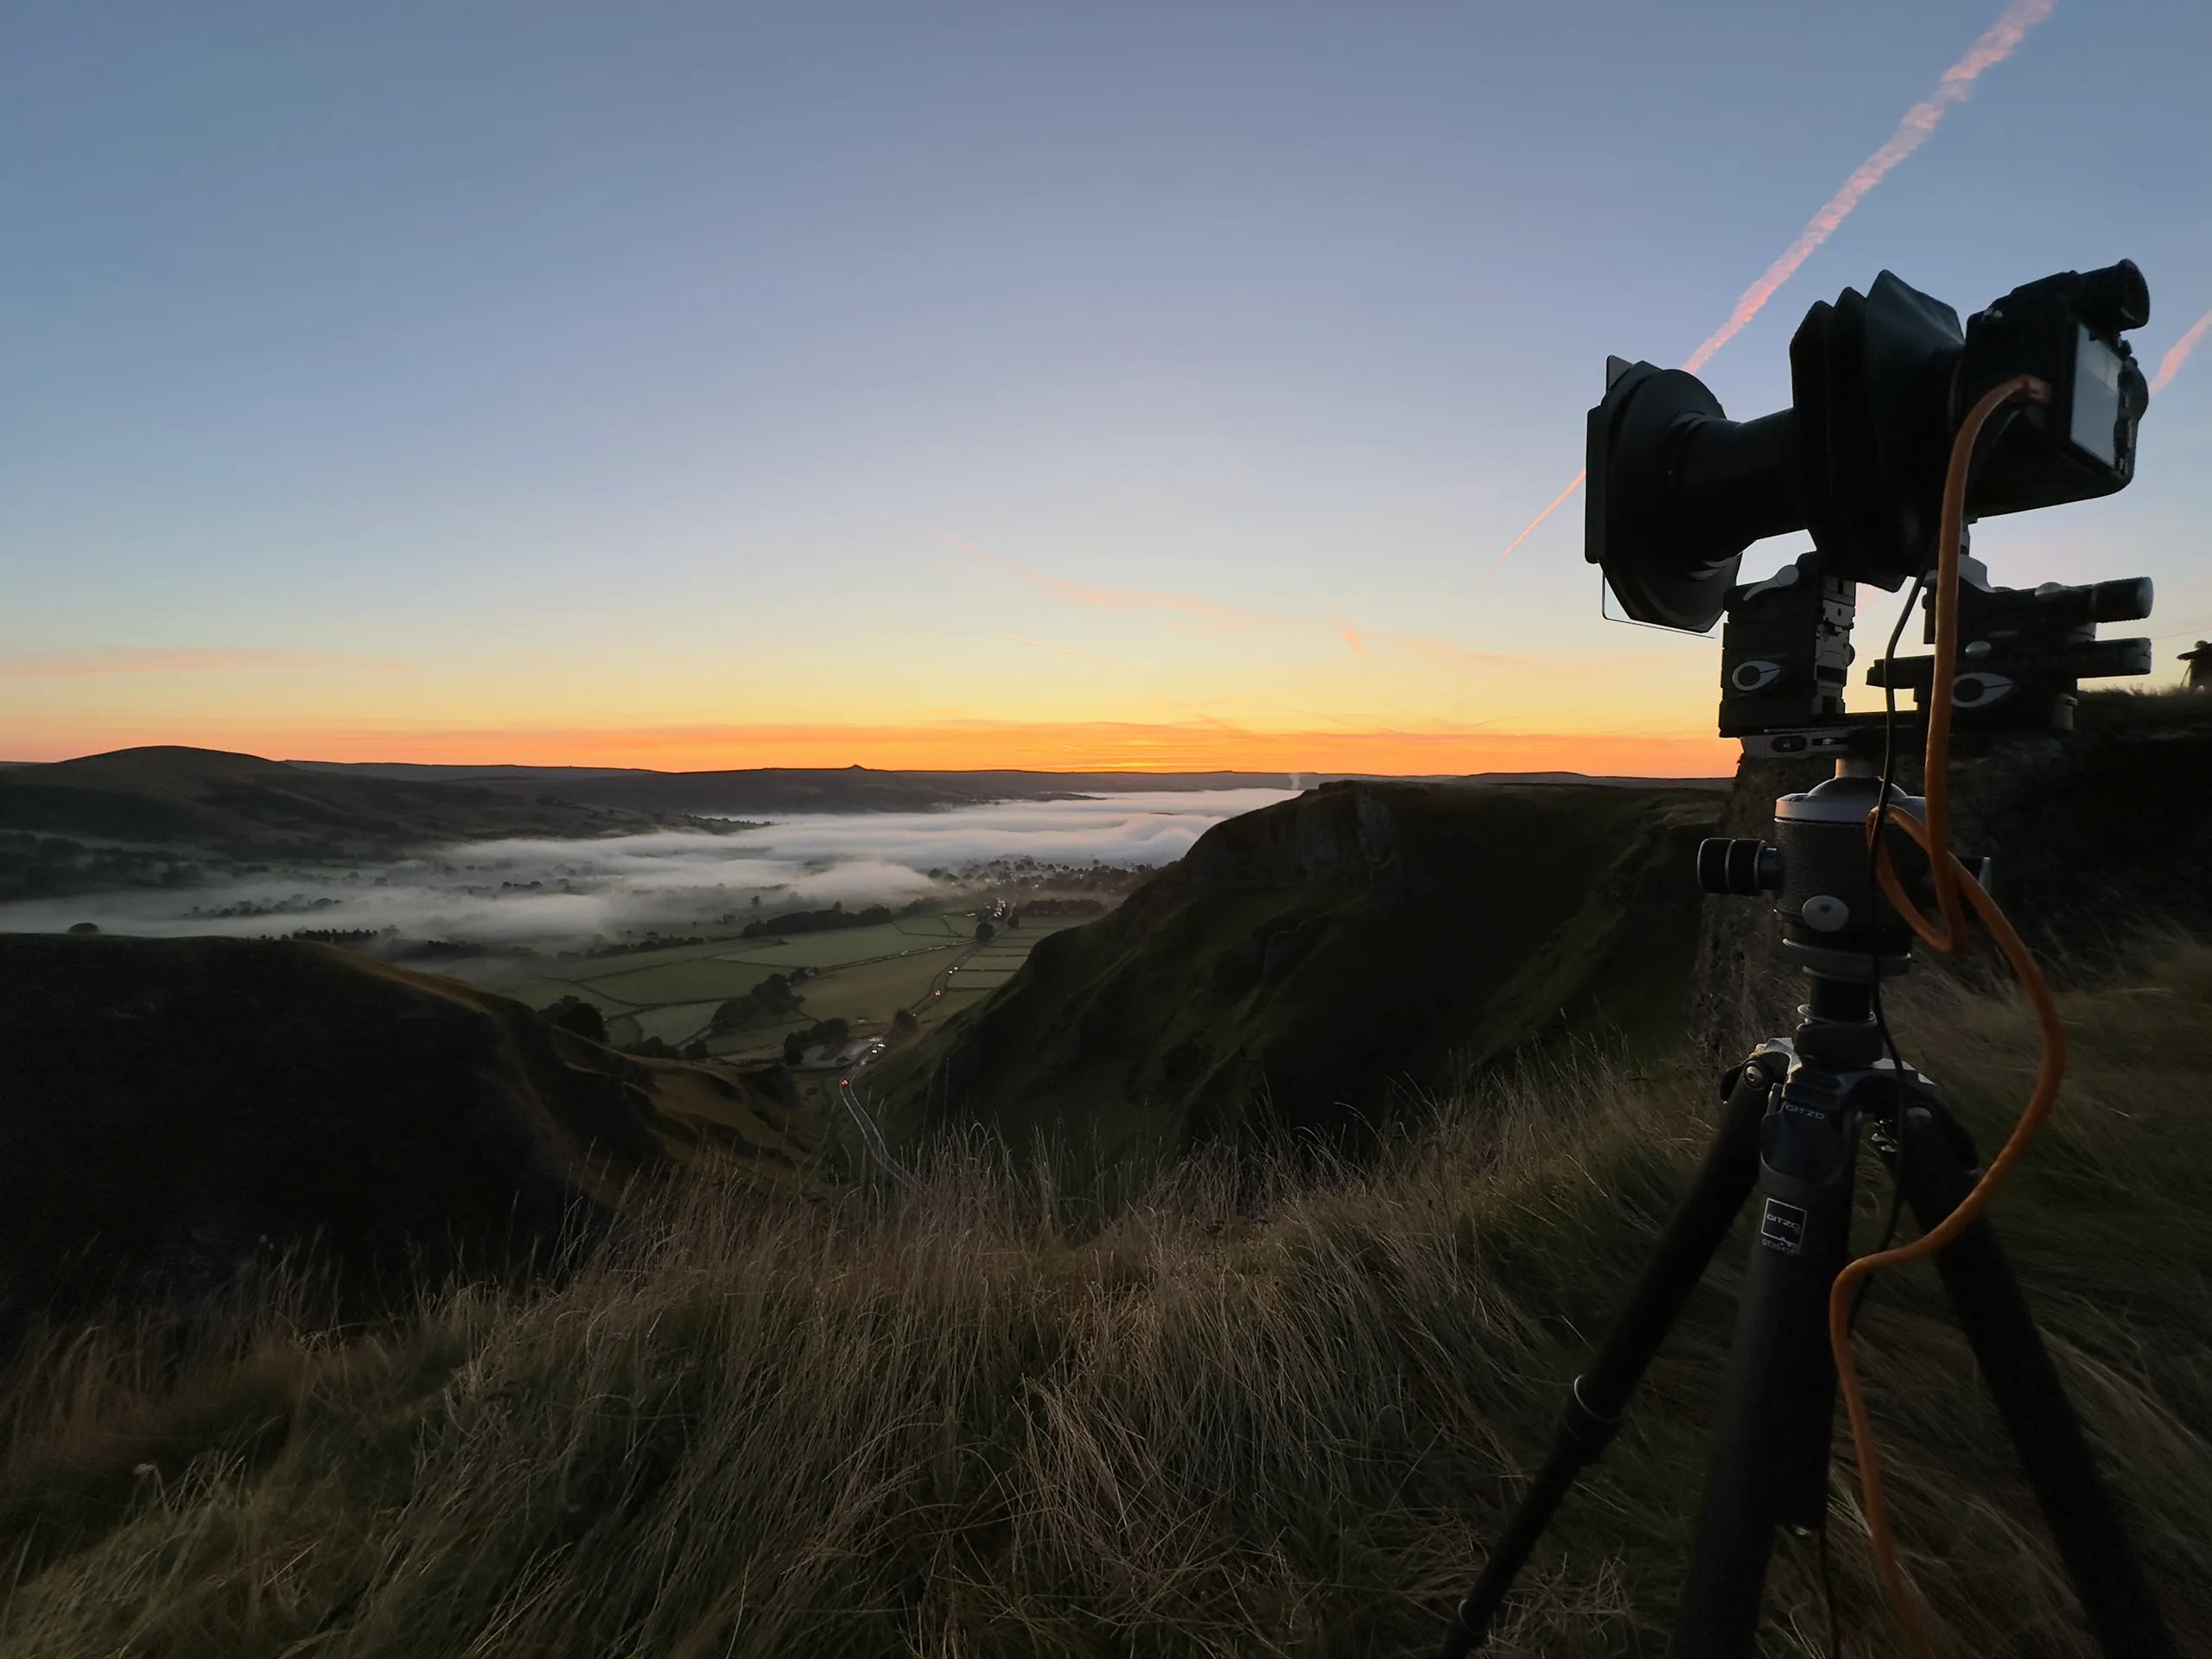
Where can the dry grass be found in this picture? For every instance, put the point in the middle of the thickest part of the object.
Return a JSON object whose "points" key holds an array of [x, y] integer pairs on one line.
{"points": [[1271, 1411]]}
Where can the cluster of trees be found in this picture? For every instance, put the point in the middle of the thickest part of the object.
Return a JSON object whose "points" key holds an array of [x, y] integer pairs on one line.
{"points": [[818, 921], [824, 1032], [1066, 907], [41, 866], [773, 999], [348, 938], [573, 1013]]}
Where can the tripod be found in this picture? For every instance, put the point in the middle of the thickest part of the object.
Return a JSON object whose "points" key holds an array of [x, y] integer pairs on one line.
{"points": [[1787, 1142]]}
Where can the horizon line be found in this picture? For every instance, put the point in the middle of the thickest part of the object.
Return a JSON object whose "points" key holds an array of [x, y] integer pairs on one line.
{"points": [[1093, 747]]}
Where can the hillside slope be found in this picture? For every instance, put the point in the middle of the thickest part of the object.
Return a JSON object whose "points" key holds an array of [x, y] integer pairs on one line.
{"points": [[1305, 965], [244, 806], [1262, 1407], [170, 1108]]}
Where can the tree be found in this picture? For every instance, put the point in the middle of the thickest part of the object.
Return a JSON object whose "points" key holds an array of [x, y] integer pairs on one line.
{"points": [[573, 1013], [984, 932]]}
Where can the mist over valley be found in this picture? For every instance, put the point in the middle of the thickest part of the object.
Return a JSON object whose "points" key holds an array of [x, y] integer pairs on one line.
{"points": [[540, 892]]}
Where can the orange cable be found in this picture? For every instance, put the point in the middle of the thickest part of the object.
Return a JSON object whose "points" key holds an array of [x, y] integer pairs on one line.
{"points": [[1956, 891]]}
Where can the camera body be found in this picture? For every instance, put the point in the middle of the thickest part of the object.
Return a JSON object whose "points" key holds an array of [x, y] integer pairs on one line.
{"points": [[1879, 383]]}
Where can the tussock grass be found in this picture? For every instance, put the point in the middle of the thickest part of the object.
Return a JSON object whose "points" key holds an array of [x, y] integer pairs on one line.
{"points": [[1239, 1409]]}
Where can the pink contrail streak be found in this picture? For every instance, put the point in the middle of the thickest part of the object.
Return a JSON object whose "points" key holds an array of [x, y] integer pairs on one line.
{"points": [[1997, 43], [1539, 519], [2169, 365]]}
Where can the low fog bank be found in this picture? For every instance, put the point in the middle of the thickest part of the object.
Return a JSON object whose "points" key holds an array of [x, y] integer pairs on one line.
{"points": [[552, 892]]}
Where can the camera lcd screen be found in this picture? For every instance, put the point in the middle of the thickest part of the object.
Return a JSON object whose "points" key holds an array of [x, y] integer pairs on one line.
{"points": [[2096, 424]]}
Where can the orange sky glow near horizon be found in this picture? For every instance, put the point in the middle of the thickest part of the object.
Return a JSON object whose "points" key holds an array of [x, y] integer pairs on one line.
{"points": [[900, 445], [949, 745]]}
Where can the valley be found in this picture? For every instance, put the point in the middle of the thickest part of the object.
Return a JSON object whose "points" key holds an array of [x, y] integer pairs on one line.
{"points": [[1084, 1161], [930, 963]]}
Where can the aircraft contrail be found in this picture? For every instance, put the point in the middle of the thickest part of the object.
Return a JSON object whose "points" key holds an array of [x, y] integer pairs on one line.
{"points": [[1573, 485], [1997, 43], [2169, 365]]}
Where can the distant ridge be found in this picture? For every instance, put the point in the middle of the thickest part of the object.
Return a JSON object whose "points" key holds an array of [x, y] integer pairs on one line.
{"points": [[862, 789], [242, 805]]}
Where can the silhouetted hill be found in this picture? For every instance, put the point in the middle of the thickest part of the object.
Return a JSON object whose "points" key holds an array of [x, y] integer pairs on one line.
{"points": [[241, 805], [172, 1108], [1304, 963], [844, 789], [798, 789]]}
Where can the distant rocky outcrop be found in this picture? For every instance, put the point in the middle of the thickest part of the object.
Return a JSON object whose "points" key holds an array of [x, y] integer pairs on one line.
{"points": [[1313, 964], [172, 1110]]}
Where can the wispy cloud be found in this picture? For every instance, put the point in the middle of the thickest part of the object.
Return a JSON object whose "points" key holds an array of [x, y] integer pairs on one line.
{"points": [[156, 659], [1177, 612], [1215, 617], [1459, 654], [1368, 641]]}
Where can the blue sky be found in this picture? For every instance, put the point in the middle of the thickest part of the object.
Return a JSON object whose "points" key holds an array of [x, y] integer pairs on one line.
{"points": [[447, 378]]}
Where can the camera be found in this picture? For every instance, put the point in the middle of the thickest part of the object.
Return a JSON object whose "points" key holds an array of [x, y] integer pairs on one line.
{"points": [[1880, 384]]}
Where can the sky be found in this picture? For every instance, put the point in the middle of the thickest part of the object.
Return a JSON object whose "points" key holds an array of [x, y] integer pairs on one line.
{"points": [[978, 384]]}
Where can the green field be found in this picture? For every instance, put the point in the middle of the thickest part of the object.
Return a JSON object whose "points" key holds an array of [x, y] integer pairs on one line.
{"points": [[861, 975], [677, 1022]]}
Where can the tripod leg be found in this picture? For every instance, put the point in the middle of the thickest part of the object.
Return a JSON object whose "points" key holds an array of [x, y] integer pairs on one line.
{"points": [[1771, 1452], [1600, 1395], [1938, 1167]]}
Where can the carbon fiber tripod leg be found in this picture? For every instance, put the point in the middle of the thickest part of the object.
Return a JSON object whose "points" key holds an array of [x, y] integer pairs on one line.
{"points": [[1600, 1395], [1937, 1169]]}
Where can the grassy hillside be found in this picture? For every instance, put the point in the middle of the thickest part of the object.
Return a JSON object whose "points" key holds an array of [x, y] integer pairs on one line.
{"points": [[1255, 1409], [242, 806], [173, 1108], [928, 963], [1307, 964]]}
